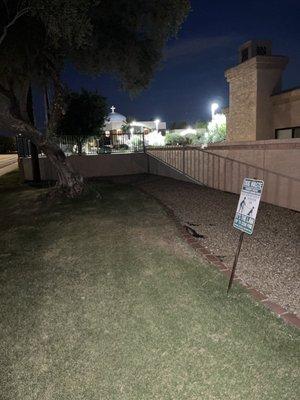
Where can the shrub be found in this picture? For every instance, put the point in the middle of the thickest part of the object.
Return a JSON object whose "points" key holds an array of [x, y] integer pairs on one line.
{"points": [[121, 146], [175, 139], [201, 125], [217, 129]]}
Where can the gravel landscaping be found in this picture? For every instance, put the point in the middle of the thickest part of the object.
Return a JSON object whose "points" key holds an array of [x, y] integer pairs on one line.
{"points": [[269, 259]]}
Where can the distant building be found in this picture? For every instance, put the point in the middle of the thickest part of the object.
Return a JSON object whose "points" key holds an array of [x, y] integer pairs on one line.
{"points": [[258, 108], [116, 121]]}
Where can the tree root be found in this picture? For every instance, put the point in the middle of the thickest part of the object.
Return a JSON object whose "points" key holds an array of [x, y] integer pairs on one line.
{"points": [[59, 192]]}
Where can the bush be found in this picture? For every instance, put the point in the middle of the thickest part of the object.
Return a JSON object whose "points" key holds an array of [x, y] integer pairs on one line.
{"points": [[175, 139], [196, 138], [201, 125], [104, 150], [7, 144], [217, 129], [214, 131], [121, 147]]}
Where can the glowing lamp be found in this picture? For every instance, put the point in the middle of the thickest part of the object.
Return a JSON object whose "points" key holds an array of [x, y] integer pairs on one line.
{"points": [[214, 108]]}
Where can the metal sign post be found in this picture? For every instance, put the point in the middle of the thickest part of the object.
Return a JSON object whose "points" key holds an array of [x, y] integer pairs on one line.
{"points": [[245, 215], [237, 253]]}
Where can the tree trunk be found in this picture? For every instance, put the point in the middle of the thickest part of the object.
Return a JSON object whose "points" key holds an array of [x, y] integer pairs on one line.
{"points": [[79, 147], [33, 149], [35, 164], [68, 181], [14, 115]]}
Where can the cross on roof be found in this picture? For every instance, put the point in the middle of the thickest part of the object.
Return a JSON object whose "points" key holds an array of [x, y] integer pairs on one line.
{"points": [[113, 109]]}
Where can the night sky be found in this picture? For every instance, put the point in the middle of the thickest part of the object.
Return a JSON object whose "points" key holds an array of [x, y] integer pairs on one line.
{"points": [[192, 74]]}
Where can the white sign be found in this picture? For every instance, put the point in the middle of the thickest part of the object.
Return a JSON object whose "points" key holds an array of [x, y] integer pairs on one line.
{"points": [[245, 215]]}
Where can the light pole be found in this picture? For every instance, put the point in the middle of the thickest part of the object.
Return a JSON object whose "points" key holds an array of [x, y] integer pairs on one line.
{"points": [[213, 108], [157, 121]]}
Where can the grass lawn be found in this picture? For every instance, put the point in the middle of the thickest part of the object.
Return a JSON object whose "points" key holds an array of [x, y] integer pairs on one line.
{"points": [[101, 299]]}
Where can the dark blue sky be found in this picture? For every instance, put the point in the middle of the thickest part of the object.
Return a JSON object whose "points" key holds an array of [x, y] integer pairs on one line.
{"points": [[192, 73]]}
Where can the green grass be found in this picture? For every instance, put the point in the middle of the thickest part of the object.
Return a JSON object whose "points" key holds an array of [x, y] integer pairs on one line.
{"points": [[101, 299]]}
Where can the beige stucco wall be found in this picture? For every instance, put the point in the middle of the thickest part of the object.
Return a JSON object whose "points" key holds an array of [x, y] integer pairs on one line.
{"points": [[251, 84], [224, 167], [286, 109], [276, 162], [162, 169], [172, 165], [93, 165], [220, 166], [25, 167], [268, 81], [241, 117]]}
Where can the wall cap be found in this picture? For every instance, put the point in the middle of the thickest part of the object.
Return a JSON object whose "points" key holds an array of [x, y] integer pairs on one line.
{"points": [[258, 144]]}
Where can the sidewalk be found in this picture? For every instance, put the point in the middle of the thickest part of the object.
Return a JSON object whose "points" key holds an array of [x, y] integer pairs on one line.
{"points": [[8, 163]]}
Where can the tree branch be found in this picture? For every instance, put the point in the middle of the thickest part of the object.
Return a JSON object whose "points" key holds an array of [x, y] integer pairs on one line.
{"points": [[18, 15], [6, 7], [58, 103], [14, 104]]}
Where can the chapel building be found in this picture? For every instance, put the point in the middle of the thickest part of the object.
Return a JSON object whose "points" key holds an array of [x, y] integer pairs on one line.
{"points": [[115, 122]]}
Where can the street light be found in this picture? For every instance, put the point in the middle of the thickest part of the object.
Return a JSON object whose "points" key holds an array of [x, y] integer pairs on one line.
{"points": [[213, 108], [157, 121]]}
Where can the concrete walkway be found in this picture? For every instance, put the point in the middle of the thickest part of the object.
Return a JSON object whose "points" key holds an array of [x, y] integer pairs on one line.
{"points": [[8, 163]]}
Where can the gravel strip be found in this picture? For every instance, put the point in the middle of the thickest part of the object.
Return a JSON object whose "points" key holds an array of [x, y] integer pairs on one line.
{"points": [[269, 259]]}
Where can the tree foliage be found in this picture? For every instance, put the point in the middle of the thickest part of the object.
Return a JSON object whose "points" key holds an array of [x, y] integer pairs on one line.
{"points": [[122, 37], [84, 117], [216, 129]]}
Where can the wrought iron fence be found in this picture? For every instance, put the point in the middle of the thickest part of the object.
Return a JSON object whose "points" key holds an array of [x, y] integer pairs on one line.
{"points": [[104, 144], [226, 173], [23, 146], [114, 143]]}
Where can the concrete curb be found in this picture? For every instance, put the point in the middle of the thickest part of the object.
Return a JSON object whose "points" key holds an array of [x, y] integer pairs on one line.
{"points": [[285, 315]]}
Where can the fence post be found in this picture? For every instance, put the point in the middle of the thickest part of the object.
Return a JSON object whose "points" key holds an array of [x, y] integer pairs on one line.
{"points": [[144, 147], [36, 175], [183, 159]]}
